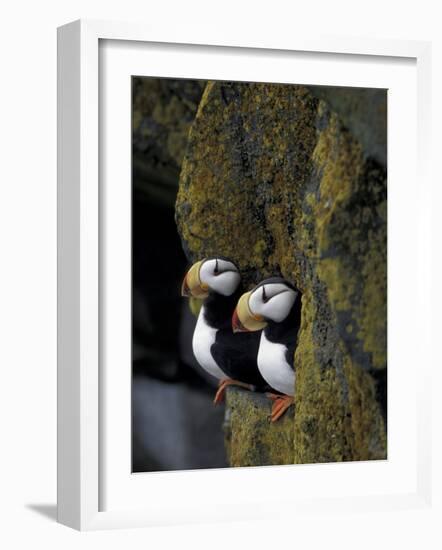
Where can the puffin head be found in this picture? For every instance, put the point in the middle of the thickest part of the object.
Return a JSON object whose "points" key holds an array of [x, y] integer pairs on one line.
{"points": [[270, 301], [218, 274]]}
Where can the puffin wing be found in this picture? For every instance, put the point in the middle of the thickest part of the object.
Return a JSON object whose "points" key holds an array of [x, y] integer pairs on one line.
{"points": [[237, 354], [290, 355]]}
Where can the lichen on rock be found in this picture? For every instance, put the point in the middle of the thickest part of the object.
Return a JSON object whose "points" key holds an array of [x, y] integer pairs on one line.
{"points": [[163, 110], [252, 440], [274, 179]]}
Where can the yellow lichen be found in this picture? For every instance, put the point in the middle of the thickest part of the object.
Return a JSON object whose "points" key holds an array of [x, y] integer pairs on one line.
{"points": [[280, 186], [369, 437], [252, 439], [373, 310], [321, 424]]}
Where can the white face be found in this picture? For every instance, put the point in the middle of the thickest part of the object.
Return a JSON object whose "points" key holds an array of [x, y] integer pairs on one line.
{"points": [[221, 276], [272, 301]]}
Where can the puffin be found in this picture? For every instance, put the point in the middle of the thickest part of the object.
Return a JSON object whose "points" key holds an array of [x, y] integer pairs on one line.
{"points": [[274, 308], [229, 357]]}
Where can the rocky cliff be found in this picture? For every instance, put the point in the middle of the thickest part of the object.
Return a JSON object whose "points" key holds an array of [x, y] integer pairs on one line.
{"points": [[286, 181], [163, 110]]}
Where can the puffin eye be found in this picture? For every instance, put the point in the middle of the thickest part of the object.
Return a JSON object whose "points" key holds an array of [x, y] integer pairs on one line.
{"points": [[216, 271], [264, 295]]}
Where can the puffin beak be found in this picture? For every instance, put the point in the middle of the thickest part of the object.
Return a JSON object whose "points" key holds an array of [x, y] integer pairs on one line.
{"points": [[185, 290], [243, 320], [237, 326], [192, 285]]}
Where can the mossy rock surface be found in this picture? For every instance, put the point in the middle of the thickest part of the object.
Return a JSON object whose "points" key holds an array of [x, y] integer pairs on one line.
{"points": [[274, 178], [364, 111], [163, 110], [251, 438]]}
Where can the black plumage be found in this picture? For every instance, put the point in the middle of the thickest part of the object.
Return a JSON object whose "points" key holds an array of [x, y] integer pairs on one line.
{"points": [[235, 354], [286, 332]]}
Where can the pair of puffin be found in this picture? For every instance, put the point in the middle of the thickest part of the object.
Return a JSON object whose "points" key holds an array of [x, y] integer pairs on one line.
{"points": [[226, 342]]}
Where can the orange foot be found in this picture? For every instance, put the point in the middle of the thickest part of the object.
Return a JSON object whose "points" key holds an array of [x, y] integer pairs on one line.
{"points": [[219, 396], [280, 404]]}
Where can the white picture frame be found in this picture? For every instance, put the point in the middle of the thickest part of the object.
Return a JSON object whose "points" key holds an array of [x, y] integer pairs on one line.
{"points": [[81, 441]]}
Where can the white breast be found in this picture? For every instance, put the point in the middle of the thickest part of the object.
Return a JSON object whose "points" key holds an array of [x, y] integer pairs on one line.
{"points": [[274, 368], [203, 338]]}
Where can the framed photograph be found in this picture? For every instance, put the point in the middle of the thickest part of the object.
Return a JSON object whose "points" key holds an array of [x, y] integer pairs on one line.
{"points": [[241, 285]]}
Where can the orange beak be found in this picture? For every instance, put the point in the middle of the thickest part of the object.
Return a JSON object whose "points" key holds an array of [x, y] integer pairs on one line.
{"points": [[192, 284], [237, 326], [243, 319]]}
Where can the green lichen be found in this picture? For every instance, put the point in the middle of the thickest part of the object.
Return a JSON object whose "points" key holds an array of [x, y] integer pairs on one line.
{"points": [[163, 110], [273, 179], [368, 429], [252, 439], [321, 423], [231, 168], [351, 238]]}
